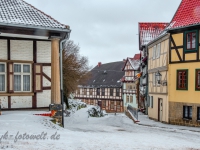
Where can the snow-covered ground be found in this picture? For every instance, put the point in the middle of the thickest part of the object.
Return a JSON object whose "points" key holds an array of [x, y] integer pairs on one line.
{"points": [[112, 132]]}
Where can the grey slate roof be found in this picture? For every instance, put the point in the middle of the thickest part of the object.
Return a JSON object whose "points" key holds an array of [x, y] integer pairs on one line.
{"points": [[18, 12], [107, 75]]}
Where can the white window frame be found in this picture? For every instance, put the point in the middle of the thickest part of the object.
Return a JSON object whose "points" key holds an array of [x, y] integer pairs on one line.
{"points": [[23, 73], [4, 73], [158, 48]]}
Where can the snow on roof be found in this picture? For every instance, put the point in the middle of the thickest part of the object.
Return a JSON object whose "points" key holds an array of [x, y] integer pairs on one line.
{"points": [[135, 63], [20, 12], [149, 31], [188, 13]]}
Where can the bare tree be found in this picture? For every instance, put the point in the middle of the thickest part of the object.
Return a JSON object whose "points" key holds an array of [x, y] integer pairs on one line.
{"points": [[75, 69]]}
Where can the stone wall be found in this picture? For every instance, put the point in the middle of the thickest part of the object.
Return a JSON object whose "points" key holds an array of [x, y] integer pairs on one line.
{"points": [[176, 114]]}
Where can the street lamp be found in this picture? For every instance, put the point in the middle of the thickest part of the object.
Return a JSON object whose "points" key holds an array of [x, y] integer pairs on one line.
{"points": [[158, 77]]}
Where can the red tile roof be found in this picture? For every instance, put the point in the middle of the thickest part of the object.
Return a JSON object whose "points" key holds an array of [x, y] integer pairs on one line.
{"points": [[149, 31], [136, 57], [188, 13]]}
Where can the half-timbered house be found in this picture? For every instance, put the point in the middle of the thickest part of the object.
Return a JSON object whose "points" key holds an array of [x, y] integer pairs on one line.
{"points": [[29, 56], [131, 69], [148, 31], [157, 87], [104, 88], [184, 65]]}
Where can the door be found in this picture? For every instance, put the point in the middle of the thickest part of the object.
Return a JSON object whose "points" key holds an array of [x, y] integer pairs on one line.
{"points": [[160, 109]]}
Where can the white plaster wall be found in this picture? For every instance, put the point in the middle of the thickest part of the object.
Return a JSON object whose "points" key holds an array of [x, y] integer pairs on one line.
{"points": [[4, 102], [44, 98], [47, 71], [21, 101], [21, 50], [44, 51], [3, 49]]}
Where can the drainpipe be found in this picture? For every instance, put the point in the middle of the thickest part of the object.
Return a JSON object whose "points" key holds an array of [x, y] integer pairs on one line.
{"points": [[61, 73]]}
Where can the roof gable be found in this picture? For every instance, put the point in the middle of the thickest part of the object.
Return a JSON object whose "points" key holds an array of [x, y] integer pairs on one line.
{"points": [[149, 31], [188, 13], [18, 12], [133, 63]]}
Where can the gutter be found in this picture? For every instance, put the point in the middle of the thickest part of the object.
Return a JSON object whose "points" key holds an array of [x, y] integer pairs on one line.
{"points": [[36, 27], [61, 72]]}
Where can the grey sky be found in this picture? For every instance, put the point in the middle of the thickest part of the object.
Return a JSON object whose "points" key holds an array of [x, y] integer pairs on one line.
{"points": [[106, 30]]}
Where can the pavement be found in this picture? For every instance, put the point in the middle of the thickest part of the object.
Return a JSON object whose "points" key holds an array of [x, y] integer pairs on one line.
{"points": [[145, 121]]}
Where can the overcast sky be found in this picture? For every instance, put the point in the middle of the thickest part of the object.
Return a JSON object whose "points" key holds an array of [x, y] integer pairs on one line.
{"points": [[107, 30]]}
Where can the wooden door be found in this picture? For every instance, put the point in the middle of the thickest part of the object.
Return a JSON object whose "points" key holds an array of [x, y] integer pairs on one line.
{"points": [[160, 109]]}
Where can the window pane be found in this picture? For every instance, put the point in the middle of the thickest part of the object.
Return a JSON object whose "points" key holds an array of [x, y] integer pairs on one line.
{"points": [[2, 67], [26, 82], [26, 68], [2, 82], [17, 68], [188, 40], [190, 112], [17, 82], [185, 111], [193, 40]]}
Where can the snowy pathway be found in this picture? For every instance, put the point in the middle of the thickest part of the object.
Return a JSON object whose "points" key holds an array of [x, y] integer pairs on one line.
{"points": [[83, 133]]}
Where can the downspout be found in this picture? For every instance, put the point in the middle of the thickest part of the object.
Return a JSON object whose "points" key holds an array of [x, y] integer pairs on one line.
{"points": [[61, 73]]}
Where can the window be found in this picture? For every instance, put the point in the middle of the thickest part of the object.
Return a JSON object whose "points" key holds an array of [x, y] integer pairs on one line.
{"points": [[118, 104], [131, 99], [158, 50], [112, 104], [79, 92], [154, 52], [198, 113], [191, 41], [151, 102], [98, 91], [111, 92], [197, 81], [182, 79], [187, 112], [90, 91], [117, 91], [103, 91], [2, 77], [22, 77], [85, 91], [103, 103], [127, 98]]}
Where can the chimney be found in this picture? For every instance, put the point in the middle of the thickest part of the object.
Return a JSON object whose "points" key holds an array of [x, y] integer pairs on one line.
{"points": [[99, 64], [124, 60]]}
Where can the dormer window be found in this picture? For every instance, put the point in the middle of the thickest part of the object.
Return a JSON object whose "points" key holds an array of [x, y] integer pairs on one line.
{"points": [[191, 41]]}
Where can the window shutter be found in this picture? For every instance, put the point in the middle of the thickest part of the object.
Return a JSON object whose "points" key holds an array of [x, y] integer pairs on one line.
{"points": [[38, 82], [10, 77], [158, 51]]}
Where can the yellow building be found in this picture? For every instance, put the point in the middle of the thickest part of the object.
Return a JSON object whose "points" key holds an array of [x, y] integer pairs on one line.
{"points": [[158, 89], [174, 69]]}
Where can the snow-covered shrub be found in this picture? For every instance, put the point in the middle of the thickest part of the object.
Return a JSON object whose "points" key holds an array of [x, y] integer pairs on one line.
{"points": [[77, 104], [95, 111]]}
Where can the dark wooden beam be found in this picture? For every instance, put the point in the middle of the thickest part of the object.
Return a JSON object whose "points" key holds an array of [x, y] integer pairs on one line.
{"points": [[176, 49], [46, 76]]}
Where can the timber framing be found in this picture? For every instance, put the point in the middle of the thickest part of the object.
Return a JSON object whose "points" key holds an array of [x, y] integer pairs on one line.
{"points": [[9, 81], [174, 47]]}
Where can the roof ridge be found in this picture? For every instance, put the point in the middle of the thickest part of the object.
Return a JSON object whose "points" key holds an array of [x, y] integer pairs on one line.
{"points": [[66, 26]]}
